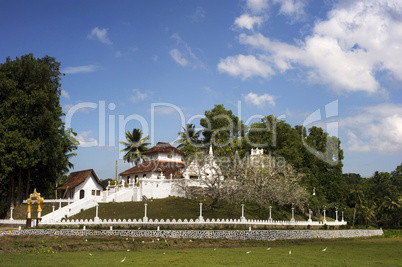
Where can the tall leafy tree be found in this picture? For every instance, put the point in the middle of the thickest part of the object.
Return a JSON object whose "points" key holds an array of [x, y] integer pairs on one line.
{"points": [[223, 130], [189, 141], [135, 145], [33, 141]]}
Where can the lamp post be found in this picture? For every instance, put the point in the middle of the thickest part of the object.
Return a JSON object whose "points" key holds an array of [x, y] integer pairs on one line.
{"points": [[242, 218]]}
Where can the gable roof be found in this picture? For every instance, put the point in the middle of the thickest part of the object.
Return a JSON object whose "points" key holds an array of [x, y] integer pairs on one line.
{"points": [[163, 147], [76, 178], [166, 167]]}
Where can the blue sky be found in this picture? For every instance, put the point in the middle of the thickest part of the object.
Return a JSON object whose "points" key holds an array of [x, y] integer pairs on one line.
{"points": [[157, 65]]}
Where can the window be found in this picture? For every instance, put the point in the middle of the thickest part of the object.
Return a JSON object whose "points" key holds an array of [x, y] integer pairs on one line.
{"points": [[169, 156], [82, 193], [98, 192], [93, 192]]}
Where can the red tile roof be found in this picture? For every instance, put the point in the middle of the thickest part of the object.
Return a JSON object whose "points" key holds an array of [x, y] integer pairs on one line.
{"points": [[163, 147], [76, 178], [166, 167]]}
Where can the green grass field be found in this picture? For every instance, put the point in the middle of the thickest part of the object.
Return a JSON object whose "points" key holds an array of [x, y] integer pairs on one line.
{"points": [[345, 252]]}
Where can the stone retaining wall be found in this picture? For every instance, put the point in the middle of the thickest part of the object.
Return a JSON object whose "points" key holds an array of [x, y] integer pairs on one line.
{"points": [[203, 234]]}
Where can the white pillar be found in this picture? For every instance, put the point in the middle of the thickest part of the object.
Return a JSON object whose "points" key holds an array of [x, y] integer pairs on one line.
{"points": [[53, 207], [242, 218], [145, 219], [309, 215], [270, 217], [324, 221], [11, 213], [201, 218], [96, 213], [293, 216], [60, 204], [342, 217], [336, 215]]}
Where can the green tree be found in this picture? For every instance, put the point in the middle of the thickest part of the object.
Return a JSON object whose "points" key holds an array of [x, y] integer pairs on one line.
{"points": [[33, 141], [222, 129], [189, 141], [135, 145]]}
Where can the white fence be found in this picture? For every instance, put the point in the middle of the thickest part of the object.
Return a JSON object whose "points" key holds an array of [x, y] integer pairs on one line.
{"points": [[191, 222]]}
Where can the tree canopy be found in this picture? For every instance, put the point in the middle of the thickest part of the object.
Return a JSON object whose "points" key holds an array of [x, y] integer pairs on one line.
{"points": [[34, 144]]}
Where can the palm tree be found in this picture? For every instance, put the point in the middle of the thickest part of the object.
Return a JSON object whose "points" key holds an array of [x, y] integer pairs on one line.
{"points": [[357, 194], [188, 136], [135, 145]]}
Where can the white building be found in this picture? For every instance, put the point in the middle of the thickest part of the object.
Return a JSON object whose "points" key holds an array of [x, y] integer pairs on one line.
{"points": [[80, 185]]}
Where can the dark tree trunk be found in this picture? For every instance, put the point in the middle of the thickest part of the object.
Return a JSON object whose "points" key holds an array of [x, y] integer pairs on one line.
{"points": [[11, 189], [19, 191], [28, 182]]}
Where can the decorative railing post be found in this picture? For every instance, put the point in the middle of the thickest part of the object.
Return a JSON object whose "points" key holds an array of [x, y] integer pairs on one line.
{"points": [[325, 220], [96, 213], [201, 218], [270, 217], [293, 215], [342, 217], [145, 219], [336, 214], [242, 218], [309, 216], [11, 213]]}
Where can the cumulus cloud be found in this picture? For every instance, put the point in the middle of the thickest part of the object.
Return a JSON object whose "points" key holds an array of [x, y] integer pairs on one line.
{"points": [[260, 101], [375, 128], [245, 66], [246, 21], [291, 8], [86, 140], [100, 35], [357, 42], [138, 96], [79, 69]]}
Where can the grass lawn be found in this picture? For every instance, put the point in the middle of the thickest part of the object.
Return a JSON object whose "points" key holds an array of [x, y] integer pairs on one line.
{"points": [[345, 252]]}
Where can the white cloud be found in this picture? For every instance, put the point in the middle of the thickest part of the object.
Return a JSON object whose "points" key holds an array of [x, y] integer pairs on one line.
{"points": [[257, 6], [375, 128], [260, 101], [245, 66], [100, 35], [85, 139], [79, 69], [291, 8], [64, 94], [138, 96], [184, 54], [178, 57], [246, 21], [357, 42], [198, 15]]}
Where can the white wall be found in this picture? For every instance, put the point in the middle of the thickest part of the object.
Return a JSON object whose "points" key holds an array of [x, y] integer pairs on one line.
{"points": [[88, 185]]}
